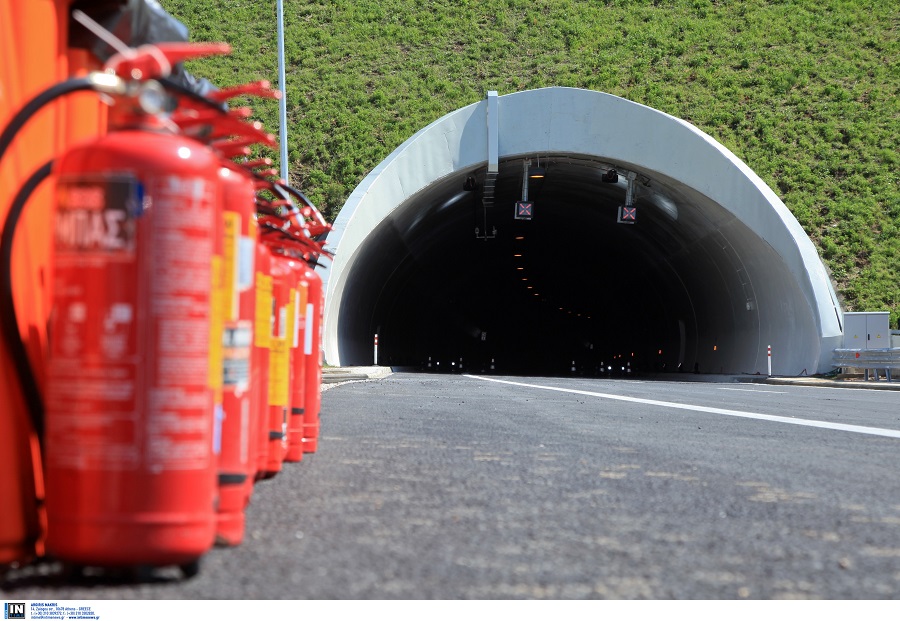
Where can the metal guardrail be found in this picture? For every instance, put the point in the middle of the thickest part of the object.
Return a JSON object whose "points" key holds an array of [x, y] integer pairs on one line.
{"points": [[875, 360]]}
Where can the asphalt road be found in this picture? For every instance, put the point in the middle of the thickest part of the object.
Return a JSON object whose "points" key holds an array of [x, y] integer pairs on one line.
{"points": [[456, 487]]}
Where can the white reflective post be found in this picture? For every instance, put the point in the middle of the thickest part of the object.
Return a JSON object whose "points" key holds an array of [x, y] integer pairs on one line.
{"points": [[282, 124]]}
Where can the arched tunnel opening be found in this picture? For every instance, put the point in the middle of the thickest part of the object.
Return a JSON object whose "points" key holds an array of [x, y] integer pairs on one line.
{"points": [[452, 280], [713, 271]]}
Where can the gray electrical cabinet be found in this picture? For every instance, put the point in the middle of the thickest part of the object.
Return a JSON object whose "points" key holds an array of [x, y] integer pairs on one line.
{"points": [[867, 330]]}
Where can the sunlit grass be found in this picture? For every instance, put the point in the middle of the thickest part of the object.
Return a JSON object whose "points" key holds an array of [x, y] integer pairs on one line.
{"points": [[806, 92]]}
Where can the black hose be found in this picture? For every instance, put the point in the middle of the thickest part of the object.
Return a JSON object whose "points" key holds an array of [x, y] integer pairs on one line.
{"points": [[284, 190], [36, 103], [8, 321], [173, 86], [74, 85], [294, 192]]}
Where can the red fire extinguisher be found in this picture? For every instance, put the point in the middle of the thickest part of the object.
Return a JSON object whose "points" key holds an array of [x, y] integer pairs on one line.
{"points": [[235, 304], [279, 363], [261, 353], [313, 352], [130, 468], [298, 366], [237, 458], [301, 228]]}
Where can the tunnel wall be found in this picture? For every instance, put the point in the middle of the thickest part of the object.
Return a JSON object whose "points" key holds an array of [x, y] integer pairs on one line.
{"points": [[599, 125]]}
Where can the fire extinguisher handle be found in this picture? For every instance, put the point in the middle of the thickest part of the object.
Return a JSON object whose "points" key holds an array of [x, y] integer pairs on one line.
{"points": [[263, 88], [155, 60]]}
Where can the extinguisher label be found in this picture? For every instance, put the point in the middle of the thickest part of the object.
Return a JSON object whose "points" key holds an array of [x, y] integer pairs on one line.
{"points": [[246, 261], [295, 341], [96, 214], [93, 364], [216, 327], [279, 368], [230, 254], [128, 382], [180, 301], [237, 341], [308, 335], [263, 323], [291, 317], [300, 319]]}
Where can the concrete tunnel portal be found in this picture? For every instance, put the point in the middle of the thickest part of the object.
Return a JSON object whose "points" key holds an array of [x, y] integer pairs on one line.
{"points": [[714, 269]]}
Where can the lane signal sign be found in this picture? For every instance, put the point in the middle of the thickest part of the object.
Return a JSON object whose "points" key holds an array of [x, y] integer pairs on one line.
{"points": [[524, 210], [627, 214]]}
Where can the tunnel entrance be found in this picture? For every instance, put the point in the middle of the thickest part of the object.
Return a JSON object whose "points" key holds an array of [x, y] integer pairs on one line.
{"points": [[473, 286], [446, 275], [571, 287]]}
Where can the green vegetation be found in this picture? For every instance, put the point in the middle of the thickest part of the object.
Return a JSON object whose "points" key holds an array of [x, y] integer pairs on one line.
{"points": [[806, 92]]}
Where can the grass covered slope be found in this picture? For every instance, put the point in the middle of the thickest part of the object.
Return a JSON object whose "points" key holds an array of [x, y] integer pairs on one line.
{"points": [[806, 92]]}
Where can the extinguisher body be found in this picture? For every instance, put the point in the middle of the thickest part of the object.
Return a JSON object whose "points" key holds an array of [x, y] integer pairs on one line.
{"points": [[313, 355], [130, 469], [240, 398], [279, 364], [298, 365]]}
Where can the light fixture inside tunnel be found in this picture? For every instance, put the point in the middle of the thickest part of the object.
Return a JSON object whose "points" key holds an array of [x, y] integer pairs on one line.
{"points": [[524, 207]]}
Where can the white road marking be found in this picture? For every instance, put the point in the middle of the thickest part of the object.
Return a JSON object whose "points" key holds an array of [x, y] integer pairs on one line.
{"points": [[872, 431], [774, 392], [835, 388]]}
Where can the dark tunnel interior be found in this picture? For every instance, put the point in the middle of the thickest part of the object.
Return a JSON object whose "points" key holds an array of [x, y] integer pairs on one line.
{"points": [[570, 290]]}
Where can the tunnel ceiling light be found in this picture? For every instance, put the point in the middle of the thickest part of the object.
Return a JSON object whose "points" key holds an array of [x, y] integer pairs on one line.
{"points": [[520, 268], [536, 172], [610, 176], [520, 237], [517, 255]]}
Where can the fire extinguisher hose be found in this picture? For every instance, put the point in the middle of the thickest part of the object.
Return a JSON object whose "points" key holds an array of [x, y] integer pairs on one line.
{"points": [[8, 322], [39, 101], [30, 391]]}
